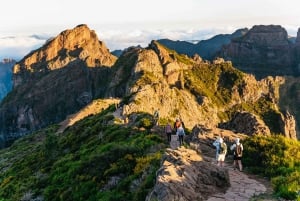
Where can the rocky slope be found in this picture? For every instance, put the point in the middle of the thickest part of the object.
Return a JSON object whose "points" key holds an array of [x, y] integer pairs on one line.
{"points": [[265, 50]]}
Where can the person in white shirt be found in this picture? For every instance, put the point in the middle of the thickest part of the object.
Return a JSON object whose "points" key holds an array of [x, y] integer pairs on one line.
{"points": [[237, 154], [220, 152], [180, 133]]}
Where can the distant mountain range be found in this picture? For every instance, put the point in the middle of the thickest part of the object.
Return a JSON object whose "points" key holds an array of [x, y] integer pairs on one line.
{"points": [[207, 49]]}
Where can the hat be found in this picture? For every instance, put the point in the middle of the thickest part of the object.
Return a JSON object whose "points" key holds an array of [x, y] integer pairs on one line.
{"points": [[237, 140]]}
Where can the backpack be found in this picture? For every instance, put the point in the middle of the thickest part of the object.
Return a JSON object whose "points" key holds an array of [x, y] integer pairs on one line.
{"points": [[222, 148], [168, 129], [238, 150], [181, 131]]}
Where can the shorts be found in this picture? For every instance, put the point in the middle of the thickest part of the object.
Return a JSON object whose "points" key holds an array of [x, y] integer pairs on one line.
{"points": [[221, 157], [237, 157]]}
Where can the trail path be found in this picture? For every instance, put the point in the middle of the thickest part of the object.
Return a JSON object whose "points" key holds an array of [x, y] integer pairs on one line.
{"points": [[93, 108], [243, 186]]}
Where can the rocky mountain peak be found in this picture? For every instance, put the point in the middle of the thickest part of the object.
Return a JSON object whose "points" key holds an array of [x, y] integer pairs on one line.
{"points": [[264, 50], [267, 35], [79, 43]]}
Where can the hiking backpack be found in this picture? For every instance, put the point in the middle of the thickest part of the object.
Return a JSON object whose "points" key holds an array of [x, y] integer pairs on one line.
{"points": [[181, 132], [223, 148], [238, 150]]}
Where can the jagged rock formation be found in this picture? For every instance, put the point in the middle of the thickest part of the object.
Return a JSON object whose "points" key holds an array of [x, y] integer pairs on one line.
{"points": [[244, 122], [6, 76], [68, 72], [289, 125], [80, 43], [263, 50]]}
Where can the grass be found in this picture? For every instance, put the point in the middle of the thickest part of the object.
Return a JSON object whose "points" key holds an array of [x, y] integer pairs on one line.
{"points": [[277, 158], [81, 164]]}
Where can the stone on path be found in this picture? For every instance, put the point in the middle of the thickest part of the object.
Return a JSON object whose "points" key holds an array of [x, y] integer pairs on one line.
{"points": [[174, 144], [242, 188]]}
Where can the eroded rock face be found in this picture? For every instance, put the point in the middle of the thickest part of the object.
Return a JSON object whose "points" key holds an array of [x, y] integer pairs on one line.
{"points": [[250, 124]]}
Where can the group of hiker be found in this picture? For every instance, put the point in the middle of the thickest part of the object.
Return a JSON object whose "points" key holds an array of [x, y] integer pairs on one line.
{"points": [[221, 151], [221, 146], [178, 129]]}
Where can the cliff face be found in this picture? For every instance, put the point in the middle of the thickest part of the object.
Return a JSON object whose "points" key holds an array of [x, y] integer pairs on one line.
{"points": [[263, 51], [58, 79], [80, 43]]}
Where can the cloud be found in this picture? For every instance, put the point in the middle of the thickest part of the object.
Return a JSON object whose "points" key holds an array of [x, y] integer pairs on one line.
{"points": [[121, 40], [17, 47]]}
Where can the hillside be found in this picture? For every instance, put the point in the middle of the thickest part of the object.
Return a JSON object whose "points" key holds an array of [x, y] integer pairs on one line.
{"points": [[101, 158]]}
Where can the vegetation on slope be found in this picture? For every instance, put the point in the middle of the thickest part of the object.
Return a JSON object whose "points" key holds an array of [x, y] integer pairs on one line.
{"points": [[278, 158], [216, 82], [93, 160]]}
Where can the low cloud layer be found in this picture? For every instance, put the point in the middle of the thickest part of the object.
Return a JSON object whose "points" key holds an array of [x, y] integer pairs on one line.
{"points": [[17, 47]]}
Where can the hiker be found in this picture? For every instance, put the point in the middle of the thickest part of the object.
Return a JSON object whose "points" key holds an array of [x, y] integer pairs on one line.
{"points": [[237, 147], [177, 124], [221, 151], [180, 133], [182, 123], [156, 117], [168, 131]]}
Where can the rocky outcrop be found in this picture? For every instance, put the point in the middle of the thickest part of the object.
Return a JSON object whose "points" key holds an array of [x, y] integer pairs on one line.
{"points": [[263, 50], [289, 126], [244, 122], [184, 175]]}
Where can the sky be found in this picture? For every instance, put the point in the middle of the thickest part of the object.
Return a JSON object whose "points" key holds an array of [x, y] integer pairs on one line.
{"points": [[26, 25]]}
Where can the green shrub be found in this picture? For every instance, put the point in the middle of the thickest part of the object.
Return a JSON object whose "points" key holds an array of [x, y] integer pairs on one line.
{"points": [[272, 156]]}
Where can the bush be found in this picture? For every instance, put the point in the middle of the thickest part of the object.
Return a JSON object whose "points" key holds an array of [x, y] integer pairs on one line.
{"points": [[272, 156]]}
